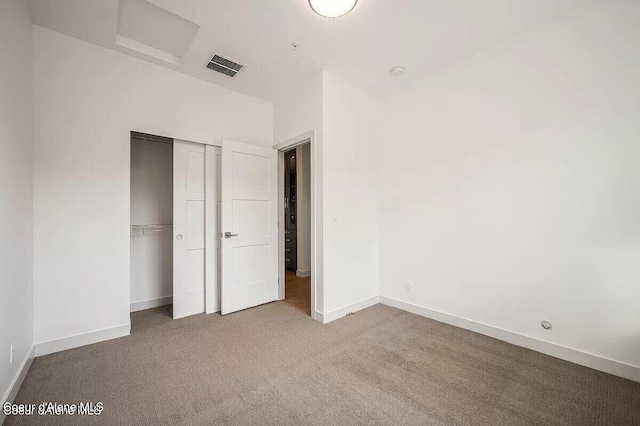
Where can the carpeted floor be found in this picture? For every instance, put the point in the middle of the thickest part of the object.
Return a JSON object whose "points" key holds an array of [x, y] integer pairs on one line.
{"points": [[274, 365]]}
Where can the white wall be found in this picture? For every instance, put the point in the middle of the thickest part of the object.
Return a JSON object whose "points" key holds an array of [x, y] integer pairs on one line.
{"points": [[151, 203], [16, 285], [511, 186], [351, 134], [87, 100], [298, 111], [298, 107], [303, 204], [347, 123]]}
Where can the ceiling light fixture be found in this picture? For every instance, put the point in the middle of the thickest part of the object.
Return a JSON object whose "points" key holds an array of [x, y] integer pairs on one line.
{"points": [[332, 8]]}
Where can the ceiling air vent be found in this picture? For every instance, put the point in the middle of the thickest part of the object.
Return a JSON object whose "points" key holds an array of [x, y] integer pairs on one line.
{"points": [[225, 66]]}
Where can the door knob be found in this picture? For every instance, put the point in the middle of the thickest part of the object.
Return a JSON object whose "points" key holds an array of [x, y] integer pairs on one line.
{"points": [[179, 237], [229, 235]]}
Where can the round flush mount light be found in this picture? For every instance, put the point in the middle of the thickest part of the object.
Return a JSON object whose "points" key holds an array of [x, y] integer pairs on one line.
{"points": [[397, 71], [332, 8]]}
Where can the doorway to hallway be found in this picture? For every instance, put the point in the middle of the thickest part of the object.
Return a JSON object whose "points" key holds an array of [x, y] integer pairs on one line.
{"points": [[296, 177]]}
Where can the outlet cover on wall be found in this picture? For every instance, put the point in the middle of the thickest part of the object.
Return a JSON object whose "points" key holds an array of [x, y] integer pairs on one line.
{"points": [[408, 286], [11, 350]]}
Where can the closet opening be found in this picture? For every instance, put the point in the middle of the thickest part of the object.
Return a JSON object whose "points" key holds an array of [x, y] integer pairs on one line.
{"points": [[151, 233], [297, 227]]}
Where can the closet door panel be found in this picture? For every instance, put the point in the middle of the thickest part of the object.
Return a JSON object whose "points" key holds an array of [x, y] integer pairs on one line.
{"points": [[212, 225], [189, 229], [249, 179]]}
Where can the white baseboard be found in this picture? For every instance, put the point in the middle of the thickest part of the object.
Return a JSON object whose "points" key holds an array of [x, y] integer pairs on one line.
{"points": [[303, 274], [617, 368], [341, 312], [14, 387], [45, 348], [150, 304]]}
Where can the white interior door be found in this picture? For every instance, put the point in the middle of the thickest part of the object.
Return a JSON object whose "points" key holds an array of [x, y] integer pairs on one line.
{"points": [[212, 228], [188, 228], [249, 226]]}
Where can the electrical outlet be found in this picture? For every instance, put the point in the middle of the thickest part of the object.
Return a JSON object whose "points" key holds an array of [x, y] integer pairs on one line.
{"points": [[408, 286], [11, 350]]}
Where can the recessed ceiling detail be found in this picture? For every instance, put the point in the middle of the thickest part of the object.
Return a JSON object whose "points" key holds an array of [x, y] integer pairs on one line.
{"points": [[154, 31], [225, 66]]}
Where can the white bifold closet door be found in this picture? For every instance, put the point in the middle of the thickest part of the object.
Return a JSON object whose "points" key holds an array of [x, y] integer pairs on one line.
{"points": [[250, 226], [212, 228], [189, 240]]}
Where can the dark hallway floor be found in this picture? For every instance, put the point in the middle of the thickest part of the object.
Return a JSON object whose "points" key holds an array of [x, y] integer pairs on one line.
{"points": [[297, 292]]}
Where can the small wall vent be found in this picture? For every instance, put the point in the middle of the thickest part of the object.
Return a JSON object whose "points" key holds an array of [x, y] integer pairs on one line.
{"points": [[225, 66]]}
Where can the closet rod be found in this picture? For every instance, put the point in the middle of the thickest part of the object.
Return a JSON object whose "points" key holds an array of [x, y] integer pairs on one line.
{"points": [[151, 138], [150, 228]]}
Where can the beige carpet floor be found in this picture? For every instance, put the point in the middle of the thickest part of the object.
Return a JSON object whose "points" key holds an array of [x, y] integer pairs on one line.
{"points": [[274, 365]]}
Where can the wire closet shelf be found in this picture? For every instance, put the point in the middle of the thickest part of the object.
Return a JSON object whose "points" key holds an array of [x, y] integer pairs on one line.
{"points": [[150, 228]]}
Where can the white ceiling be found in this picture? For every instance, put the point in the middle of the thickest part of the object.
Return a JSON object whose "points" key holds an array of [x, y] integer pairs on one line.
{"points": [[424, 36]]}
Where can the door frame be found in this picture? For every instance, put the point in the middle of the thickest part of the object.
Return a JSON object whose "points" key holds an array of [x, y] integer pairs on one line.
{"points": [[315, 228]]}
